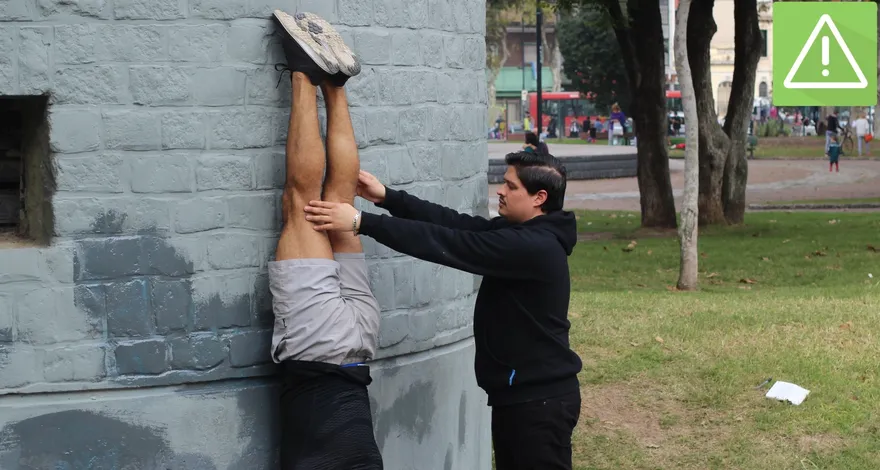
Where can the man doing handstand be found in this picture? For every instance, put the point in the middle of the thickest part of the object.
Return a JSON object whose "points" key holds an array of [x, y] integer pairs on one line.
{"points": [[326, 317]]}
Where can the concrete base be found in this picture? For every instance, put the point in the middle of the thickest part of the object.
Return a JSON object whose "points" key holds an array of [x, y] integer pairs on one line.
{"points": [[232, 424]]}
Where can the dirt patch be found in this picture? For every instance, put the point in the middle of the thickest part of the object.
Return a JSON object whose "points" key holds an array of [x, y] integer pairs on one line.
{"points": [[821, 443], [613, 408]]}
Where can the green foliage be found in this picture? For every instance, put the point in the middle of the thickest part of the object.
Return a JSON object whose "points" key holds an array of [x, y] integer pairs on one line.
{"points": [[772, 128], [593, 59]]}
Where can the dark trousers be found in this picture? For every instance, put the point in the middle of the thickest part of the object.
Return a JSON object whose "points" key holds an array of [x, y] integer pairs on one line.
{"points": [[535, 435]]}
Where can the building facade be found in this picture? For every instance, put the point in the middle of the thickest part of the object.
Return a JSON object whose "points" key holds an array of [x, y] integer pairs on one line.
{"points": [[147, 142]]}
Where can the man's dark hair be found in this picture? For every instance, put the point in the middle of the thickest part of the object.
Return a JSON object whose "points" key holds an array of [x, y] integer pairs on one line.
{"points": [[539, 171], [532, 139]]}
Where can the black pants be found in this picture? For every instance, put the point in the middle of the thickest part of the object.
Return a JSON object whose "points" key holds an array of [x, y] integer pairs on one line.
{"points": [[325, 418], [535, 435]]}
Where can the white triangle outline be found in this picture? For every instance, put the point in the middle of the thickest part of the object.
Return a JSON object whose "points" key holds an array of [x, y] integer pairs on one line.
{"points": [[825, 19]]}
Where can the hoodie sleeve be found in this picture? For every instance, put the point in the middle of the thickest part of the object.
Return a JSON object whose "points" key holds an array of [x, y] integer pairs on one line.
{"points": [[404, 205], [505, 252]]}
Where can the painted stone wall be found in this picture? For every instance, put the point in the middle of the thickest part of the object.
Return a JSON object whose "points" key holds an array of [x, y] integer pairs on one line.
{"points": [[138, 336]]}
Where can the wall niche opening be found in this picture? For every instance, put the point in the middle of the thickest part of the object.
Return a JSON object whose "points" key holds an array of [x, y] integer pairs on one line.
{"points": [[26, 176]]}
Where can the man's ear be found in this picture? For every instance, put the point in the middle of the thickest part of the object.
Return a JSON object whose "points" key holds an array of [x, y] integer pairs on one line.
{"points": [[540, 198]]}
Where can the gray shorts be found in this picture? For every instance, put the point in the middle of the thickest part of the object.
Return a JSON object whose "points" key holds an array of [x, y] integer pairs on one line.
{"points": [[324, 310]]}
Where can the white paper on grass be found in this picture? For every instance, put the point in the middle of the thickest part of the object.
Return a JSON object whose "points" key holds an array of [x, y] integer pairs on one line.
{"points": [[788, 392]]}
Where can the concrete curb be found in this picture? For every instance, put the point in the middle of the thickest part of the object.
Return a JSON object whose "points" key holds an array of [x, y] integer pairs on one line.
{"points": [[588, 167], [764, 207]]}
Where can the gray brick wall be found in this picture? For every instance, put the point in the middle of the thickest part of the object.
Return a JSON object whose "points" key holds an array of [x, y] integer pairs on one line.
{"points": [[168, 131]]}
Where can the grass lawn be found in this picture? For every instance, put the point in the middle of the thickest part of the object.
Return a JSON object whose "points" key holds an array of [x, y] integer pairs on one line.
{"points": [[669, 377], [788, 147]]}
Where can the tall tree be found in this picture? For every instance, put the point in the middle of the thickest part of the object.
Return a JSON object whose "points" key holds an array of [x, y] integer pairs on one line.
{"points": [[593, 59], [496, 46], [639, 32], [687, 279]]}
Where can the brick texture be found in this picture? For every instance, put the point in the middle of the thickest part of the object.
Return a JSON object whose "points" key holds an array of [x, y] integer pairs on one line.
{"points": [[167, 125]]}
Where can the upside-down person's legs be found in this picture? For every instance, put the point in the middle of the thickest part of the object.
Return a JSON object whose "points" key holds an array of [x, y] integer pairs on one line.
{"points": [[343, 163], [305, 160]]}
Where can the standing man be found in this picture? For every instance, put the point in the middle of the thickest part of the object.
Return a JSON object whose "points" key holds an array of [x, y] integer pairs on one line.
{"points": [[326, 318], [833, 125], [521, 330], [862, 130]]}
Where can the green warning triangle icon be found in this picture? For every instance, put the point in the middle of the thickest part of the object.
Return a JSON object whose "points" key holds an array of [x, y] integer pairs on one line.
{"points": [[825, 20]]}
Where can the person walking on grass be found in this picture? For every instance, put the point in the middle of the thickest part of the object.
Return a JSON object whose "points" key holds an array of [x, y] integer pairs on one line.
{"points": [[326, 317], [833, 154], [524, 360], [862, 130]]}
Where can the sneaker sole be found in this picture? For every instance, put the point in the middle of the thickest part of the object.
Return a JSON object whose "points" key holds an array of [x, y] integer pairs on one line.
{"points": [[324, 33], [320, 55]]}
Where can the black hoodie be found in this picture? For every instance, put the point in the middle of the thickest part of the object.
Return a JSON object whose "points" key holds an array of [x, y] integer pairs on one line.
{"points": [[521, 313]]}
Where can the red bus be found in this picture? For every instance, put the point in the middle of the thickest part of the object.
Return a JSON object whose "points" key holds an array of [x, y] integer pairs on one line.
{"points": [[574, 105]]}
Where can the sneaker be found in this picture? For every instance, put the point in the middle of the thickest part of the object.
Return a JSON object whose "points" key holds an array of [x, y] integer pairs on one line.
{"points": [[325, 34], [303, 53]]}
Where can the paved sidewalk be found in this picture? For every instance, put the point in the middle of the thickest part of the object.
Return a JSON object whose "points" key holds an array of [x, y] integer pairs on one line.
{"points": [[769, 181]]}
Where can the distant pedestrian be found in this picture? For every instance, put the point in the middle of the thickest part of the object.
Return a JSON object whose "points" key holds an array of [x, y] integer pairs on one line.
{"points": [[862, 129], [833, 155]]}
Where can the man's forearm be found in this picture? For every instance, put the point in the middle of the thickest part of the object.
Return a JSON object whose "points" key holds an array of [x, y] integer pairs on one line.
{"points": [[404, 205]]}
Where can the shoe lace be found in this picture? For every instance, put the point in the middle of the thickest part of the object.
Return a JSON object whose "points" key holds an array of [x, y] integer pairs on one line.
{"points": [[282, 68]]}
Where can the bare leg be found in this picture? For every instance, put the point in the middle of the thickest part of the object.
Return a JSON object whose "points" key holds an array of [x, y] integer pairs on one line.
{"points": [[305, 168], [343, 163]]}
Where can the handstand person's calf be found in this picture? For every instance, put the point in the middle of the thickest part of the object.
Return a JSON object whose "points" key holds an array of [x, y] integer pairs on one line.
{"points": [[326, 318]]}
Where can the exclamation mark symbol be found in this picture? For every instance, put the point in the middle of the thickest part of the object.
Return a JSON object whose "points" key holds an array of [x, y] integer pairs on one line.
{"points": [[825, 57]]}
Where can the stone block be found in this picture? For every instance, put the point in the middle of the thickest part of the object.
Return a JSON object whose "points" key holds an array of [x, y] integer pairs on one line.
{"points": [[423, 323], [164, 258], [74, 363], [142, 357], [156, 85], [128, 309], [218, 86], [45, 316], [250, 348], [448, 90], [406, 48], [475, 53], [132, 43], [454, 50], [149, 9], [224, 172], [323, 8], [426, 158], [222, 302], [270, 170], [198, 351], [108, 258], [403, 283], [382, 284], [161, 174], [393, 329], [424, 281], [382, 126], [413, 124], [373, 46], [461, 16], [183, 129], [440, 121], [362, 89], [33, 59], [232, 250], [431, 46], [75, 43], [22, 365], [93, 84], [171, 302], [440, 15], [455, 161], [400, 166], [197, 43], [17, 10], [263, 314], [110, 216], [356, 12], [249, 41], [199, 215], [255, 212], [7, 326], [261, 9], [62, 8], [241, 128], [266, 86], [91, 299], [132, 130], [390, 13], [218, 9], [100, 173]]}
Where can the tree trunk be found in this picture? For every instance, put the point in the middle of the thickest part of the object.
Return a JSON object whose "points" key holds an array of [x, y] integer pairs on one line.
{"points": [[641, 45], [714, 143], [552, 51], [747, 43], [687, 278]]}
